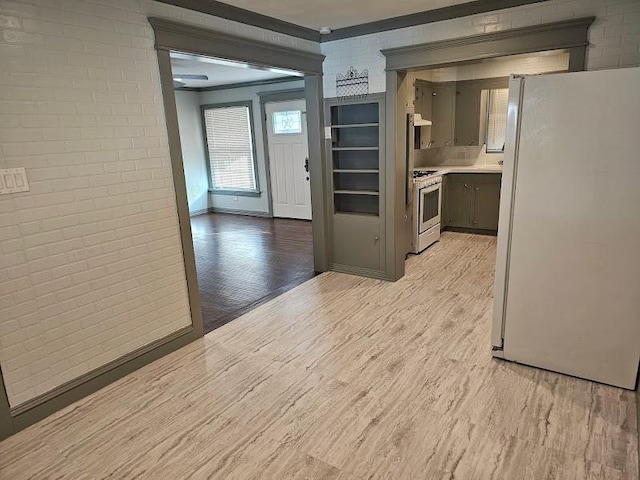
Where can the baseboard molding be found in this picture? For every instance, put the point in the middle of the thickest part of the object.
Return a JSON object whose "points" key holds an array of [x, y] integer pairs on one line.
{"points": [[249, 213], [34, 410], [361, 272], [477, 231], [202, 211]]}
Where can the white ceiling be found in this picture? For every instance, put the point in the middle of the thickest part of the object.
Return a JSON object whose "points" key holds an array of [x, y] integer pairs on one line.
{"points": [[338, 13], [220, 73]]}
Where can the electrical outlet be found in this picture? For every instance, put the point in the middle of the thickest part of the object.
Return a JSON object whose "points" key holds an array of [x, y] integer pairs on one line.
{"points": [[13, 180]]}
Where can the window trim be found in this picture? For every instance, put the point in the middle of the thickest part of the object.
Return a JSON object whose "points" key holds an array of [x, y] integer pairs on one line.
{"points": [[252, 130]]}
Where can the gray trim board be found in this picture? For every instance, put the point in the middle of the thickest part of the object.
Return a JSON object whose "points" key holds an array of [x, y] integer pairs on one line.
{"points": [[425, 17], [202, 211], [239, 193], [255, 83], [567, 34], [180, 187], [200, 41], [240, 15], [281, 95], [395, 218], [6, 422], [44, 405], [318, 175], [268, 97], [232, 211]]}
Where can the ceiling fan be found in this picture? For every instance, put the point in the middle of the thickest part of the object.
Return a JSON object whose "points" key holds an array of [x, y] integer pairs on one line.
{"points": [[178, 79]]}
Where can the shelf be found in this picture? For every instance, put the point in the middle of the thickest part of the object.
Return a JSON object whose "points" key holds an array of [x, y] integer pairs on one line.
{"points": [[358, 149], [356, 125], [355, 170], [357, 192]]}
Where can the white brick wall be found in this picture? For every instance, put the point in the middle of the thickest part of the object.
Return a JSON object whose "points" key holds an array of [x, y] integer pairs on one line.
{"points": [[91, 265], [614, 36]]}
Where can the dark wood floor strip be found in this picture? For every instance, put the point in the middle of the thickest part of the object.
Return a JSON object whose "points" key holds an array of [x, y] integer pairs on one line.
{"points": [[243, 262]]}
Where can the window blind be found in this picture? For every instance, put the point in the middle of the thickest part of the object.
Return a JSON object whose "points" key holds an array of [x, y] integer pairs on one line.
{"points": [[497, 124], [230, 146]]}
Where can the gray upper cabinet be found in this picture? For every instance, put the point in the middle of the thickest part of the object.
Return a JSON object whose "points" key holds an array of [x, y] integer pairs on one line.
{"points": [[443, 114], [356, 162], [467, 114], [458, 111]]}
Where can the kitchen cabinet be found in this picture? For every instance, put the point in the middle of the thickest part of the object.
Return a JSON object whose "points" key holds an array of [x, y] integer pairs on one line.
{"points": [[423, 99], [356, 162], [472, 201], [443, 114], [467, 125]]}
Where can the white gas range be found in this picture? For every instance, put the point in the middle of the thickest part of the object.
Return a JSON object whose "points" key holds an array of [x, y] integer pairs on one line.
{"points": [[427, 208]]}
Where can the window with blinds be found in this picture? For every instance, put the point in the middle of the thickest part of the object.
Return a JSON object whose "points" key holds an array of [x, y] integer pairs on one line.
{"points": [[230, 148], [498, 102]]}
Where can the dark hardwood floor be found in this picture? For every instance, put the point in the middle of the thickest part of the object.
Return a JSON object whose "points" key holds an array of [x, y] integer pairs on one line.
{"points": [[243, 262]]}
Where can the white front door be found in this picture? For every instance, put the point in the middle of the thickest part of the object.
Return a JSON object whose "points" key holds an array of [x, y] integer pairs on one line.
{"points": [[288, 159]]}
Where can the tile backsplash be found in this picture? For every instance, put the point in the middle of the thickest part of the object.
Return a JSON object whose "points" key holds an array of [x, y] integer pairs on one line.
{"points": [[456, 156]]}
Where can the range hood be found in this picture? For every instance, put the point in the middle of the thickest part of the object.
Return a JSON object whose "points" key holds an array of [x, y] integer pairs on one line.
{"points": [[418, 121]]}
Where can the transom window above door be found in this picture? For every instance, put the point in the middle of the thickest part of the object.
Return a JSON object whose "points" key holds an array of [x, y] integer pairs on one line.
{"points": [[230, 148]]}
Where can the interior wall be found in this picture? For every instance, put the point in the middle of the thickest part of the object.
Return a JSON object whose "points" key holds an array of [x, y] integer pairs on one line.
{"points": [[244, 204], [614, 37], [193, 153], [91, 266]]}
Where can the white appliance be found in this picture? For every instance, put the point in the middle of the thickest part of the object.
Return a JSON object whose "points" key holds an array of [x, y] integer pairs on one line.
{"points": [[567, 291], [427, 205]]}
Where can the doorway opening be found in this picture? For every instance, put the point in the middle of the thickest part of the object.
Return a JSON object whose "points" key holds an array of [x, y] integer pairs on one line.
{"points": [[456, 134], [244, 140]]}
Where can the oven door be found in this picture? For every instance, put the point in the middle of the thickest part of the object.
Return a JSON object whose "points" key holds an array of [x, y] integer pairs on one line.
{"points": [[430, 207]]}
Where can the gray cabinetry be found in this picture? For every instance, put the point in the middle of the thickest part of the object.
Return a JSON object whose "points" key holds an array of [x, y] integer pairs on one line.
{"points": [[472, 201], [443, 114], [356, 162], [467, 114]]}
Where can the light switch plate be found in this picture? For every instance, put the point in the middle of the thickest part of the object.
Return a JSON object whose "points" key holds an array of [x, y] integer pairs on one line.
{"points": [[13, 180]]}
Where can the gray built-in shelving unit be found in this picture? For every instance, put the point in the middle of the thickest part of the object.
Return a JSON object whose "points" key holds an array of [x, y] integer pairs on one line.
{"points": [[356, 163]]}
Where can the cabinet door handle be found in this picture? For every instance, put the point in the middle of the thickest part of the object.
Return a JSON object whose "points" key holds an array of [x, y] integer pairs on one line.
{"points": [[375, 239], [466, 185], [477, 188]]}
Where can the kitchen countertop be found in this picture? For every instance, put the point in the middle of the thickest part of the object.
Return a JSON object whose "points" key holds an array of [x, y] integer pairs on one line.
{"points": [[443, 170]]}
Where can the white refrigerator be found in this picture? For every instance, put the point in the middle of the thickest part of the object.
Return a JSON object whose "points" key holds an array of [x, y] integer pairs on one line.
{"points": [[567, 291]]}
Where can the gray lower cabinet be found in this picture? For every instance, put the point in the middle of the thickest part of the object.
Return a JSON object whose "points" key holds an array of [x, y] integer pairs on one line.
{"points": [[472, 201], [356, 162], [357, 243]]}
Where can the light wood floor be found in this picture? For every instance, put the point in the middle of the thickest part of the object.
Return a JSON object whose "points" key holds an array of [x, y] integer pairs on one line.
{"points": [[345, 378]]}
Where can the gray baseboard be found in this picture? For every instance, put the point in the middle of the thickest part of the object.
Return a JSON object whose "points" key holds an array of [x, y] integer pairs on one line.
{"points": [[249, 213], [360, 272], [44, 405], [202, 211]]}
